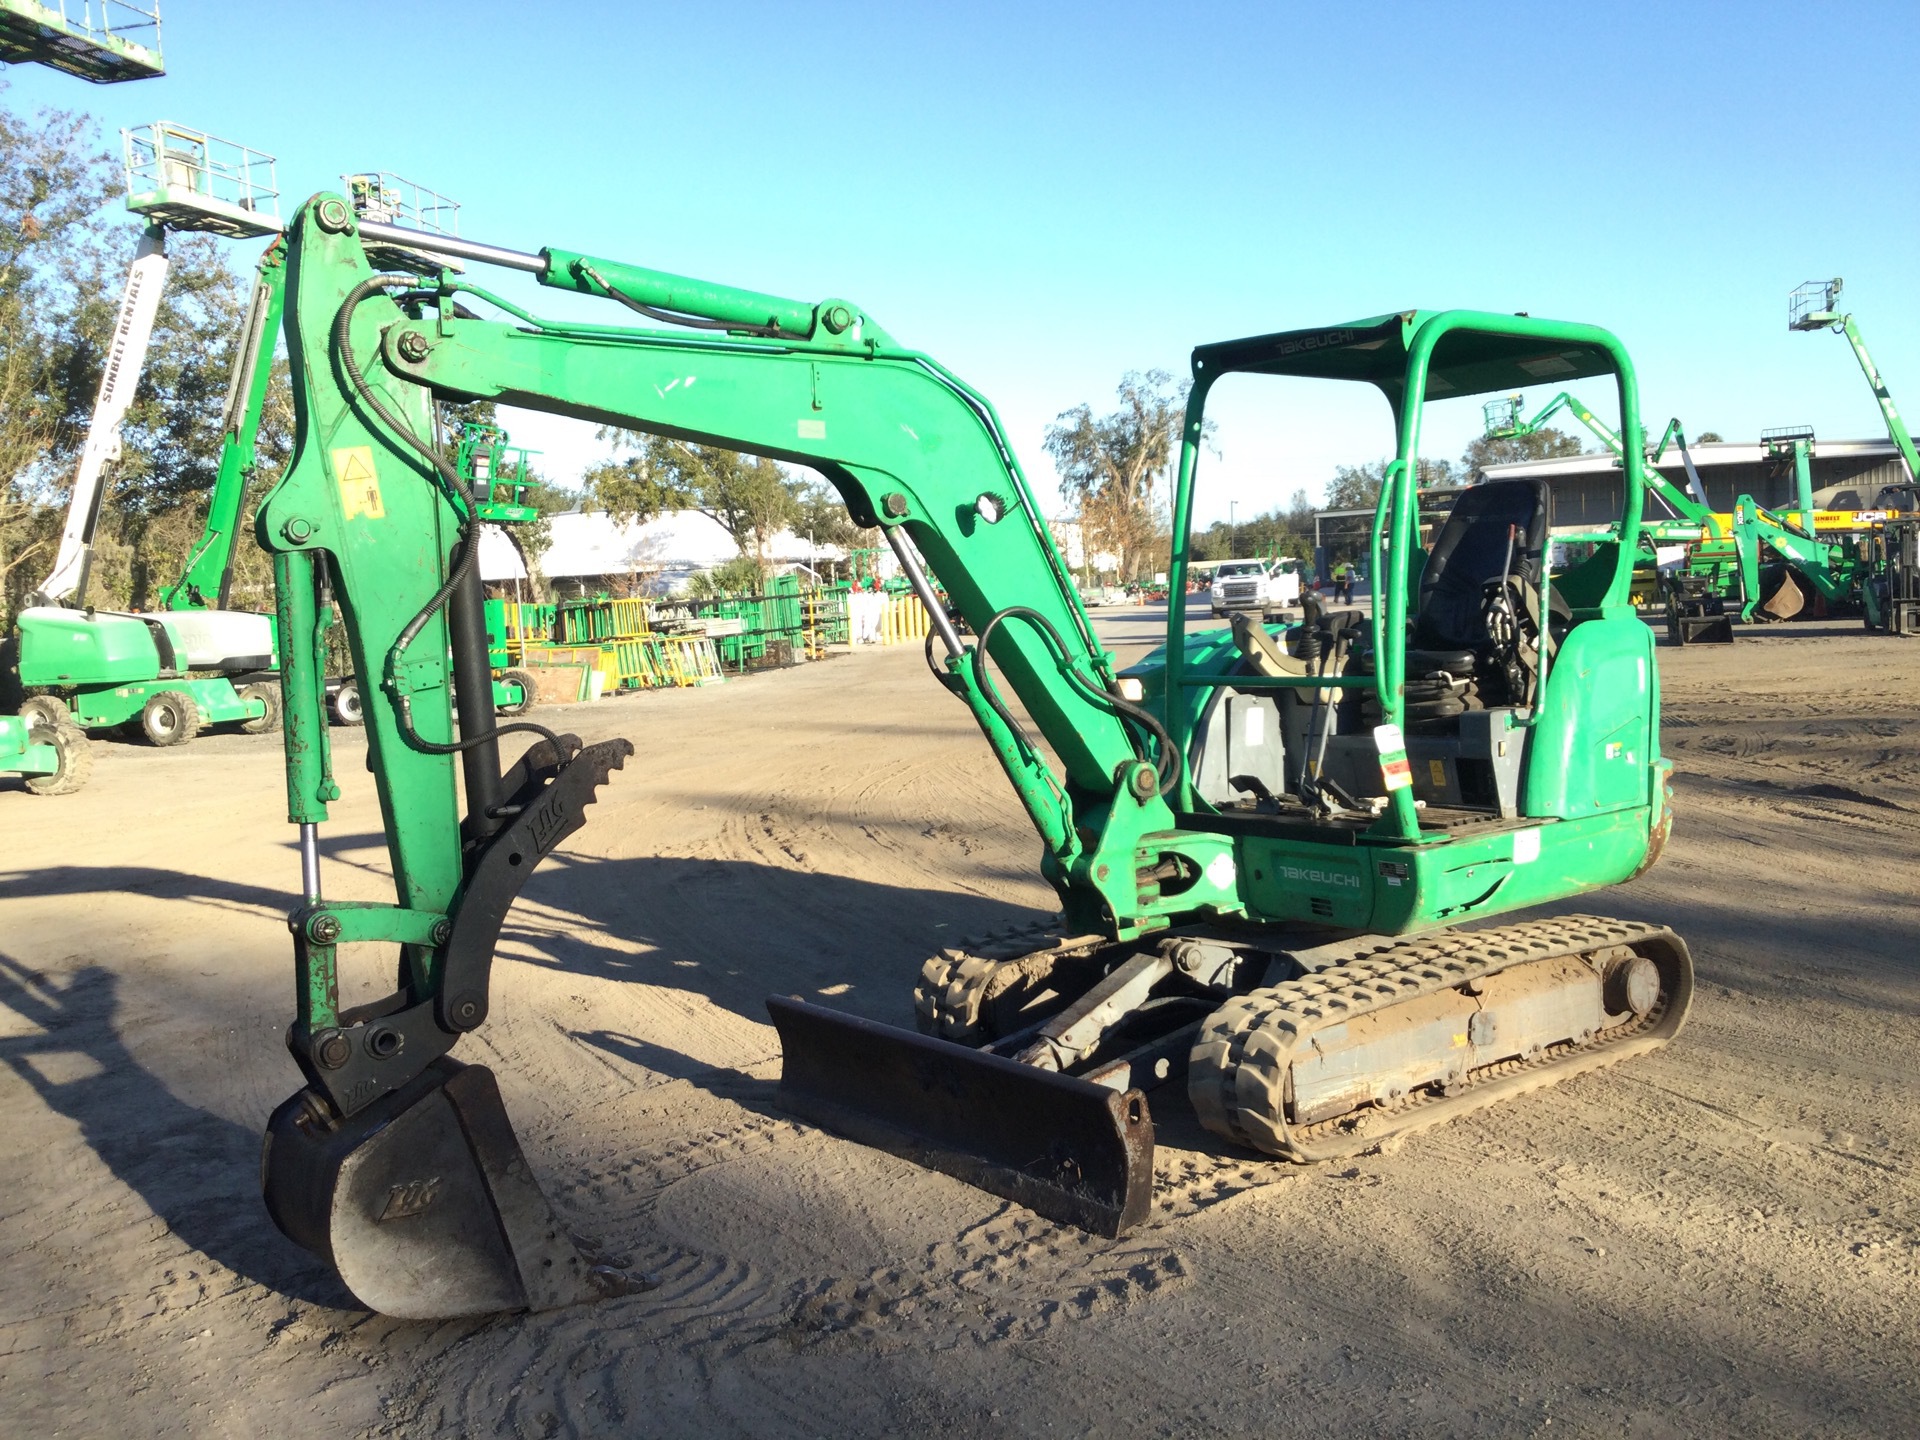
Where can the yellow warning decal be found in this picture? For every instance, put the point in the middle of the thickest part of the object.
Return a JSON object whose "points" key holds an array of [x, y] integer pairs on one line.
{"points": [[359, 482], [1438, 770]]}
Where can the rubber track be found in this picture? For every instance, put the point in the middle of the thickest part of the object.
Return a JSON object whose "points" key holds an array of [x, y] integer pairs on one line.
{"points": [[1238, 1069], [956, 985]]}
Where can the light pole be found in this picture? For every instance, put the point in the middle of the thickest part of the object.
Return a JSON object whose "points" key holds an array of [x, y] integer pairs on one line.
{"points": [[1233, 531]]}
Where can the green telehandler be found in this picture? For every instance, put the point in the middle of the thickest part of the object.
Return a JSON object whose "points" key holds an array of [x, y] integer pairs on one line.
{"points": [[1266, 842]]}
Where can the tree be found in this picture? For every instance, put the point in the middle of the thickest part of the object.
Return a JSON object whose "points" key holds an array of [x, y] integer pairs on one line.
{"points": [[629, 489], [63, 259], [1279, 531], [1356, 487], [824, 519], [739, 574], [54, 179], [1709, 437], [1112, 465], [1546, 443]]}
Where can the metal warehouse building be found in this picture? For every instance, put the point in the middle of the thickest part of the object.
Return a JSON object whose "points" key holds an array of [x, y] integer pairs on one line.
{"points": [[1586, 488]]}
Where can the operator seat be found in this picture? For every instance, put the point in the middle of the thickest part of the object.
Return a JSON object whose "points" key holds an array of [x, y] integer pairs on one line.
{"points": [[1469, 553], [1454, 660]]}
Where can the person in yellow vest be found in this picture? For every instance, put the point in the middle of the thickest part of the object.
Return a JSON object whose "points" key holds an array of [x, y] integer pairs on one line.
{"points": [[1343, 582]]}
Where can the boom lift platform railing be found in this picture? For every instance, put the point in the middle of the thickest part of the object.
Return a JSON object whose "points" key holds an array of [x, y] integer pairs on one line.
{"points": [[104, 41]]}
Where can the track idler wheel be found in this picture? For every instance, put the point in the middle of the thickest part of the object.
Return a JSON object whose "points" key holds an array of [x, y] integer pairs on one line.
{"points": [[424, 1202]]}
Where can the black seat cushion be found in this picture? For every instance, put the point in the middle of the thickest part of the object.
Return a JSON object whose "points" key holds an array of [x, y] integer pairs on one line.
{"points": [[1471, 549], [1433, 662]]}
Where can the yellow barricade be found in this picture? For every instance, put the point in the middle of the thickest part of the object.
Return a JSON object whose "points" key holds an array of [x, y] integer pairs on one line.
{"points": [[905, 621]]}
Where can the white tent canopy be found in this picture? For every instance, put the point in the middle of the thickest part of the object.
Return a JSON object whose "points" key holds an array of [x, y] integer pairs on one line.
{"points": [[593, 543]]}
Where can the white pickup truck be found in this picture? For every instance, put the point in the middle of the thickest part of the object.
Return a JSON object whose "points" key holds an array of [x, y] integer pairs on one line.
{"points": [[1263, 585]]}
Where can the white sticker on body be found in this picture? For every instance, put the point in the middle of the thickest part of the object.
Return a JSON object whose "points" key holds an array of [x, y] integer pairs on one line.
{"points": [[1220, 872], [1526, 846]]}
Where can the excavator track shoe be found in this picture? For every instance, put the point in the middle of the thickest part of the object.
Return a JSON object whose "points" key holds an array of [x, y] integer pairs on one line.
{"points": [[423, 1201], [1066, 1148], [1431, 1028]]}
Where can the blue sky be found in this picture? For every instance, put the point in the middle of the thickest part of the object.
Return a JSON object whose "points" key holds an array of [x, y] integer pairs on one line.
{"points": [[1046, 197]]}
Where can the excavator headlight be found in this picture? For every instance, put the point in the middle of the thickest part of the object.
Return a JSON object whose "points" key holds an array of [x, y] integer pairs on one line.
{"points": [[1131, 690], [990, 507]]}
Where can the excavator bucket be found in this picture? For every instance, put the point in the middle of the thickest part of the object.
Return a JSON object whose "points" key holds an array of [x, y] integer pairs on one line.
{"points": [[1788, 600], [1065, 1148], [423, 1201]]}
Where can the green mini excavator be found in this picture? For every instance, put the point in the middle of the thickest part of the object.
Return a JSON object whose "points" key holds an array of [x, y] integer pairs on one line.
{"points": [[1273, 847]]}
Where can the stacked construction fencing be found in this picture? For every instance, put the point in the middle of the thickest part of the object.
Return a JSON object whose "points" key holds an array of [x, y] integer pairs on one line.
{"points": [[642, 644]]}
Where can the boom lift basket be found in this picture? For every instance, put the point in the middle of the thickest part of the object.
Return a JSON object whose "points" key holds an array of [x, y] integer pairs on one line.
{"points": [[1502, 417], [389, 199], [99, 40], [187, 179], [1811, 306]]}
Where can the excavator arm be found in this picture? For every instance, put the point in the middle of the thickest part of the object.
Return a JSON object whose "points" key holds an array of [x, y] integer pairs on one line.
{"points": [[1689, 506]]}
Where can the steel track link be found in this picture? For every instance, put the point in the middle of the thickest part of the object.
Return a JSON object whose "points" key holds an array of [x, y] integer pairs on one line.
{"points": [[1239, 1068]]}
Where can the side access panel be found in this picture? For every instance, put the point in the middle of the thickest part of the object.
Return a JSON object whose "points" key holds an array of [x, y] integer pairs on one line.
{"points": [[1594, 746], [71, 647]]}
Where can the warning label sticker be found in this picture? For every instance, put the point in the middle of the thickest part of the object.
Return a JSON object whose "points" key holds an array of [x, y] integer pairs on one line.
{"points": [[359, 483], [1395, 771]]}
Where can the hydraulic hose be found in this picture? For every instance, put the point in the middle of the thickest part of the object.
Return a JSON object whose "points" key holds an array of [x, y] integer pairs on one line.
{"points": [[467, 547], [1169, 765]]}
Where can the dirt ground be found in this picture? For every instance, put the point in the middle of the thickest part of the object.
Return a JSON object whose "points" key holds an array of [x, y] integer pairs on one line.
{"points": [[1720, 1238]]}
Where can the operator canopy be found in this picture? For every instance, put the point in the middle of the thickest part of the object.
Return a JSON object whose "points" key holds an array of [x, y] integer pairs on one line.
{"points": [[1465, 362]]}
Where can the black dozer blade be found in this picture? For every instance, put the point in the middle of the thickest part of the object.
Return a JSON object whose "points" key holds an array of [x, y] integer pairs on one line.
{"points": [[1073, 1151], [423, 1201]]}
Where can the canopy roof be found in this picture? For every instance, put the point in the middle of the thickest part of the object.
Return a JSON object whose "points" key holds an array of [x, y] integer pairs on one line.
{"points": [[1492, 353]]}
